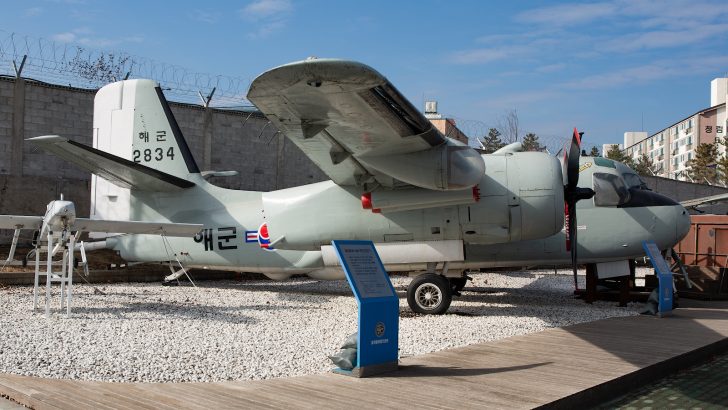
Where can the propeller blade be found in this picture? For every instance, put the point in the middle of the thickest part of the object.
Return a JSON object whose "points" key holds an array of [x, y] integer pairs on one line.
{"points": [[573, 228], [572, 194], [572, 165]]}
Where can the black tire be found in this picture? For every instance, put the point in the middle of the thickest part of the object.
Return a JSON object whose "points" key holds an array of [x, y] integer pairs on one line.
{"points": [[457, 284], [430, 294]]}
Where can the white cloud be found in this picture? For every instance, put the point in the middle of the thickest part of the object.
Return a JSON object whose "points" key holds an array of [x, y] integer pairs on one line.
{"points": [[550, 68], [568, 14], [209, 17], [649, 13], [266, 8], [33, 11], [266, 16], [659, 70], [664, 38], [64, 37], [484, 55], [86, 37]]}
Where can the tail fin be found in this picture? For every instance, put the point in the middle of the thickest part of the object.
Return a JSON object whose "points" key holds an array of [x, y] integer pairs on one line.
{"points": [[132, 120]]}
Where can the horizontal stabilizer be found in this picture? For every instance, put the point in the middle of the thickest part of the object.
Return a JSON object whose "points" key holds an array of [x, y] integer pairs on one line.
{"points": [[707, 200], [20, 222], [137, 227], [117, 170], [98, 225]]}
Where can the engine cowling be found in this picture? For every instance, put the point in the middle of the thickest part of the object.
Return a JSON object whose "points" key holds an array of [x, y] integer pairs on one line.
{"points": [[447, 167], [521, 197]]}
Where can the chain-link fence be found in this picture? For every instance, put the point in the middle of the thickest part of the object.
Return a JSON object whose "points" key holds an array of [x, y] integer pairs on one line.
{"points": [[78, 66]]}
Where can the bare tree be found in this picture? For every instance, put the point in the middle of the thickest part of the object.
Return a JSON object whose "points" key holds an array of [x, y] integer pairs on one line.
{"points": [[509, 126], [107, 67]]}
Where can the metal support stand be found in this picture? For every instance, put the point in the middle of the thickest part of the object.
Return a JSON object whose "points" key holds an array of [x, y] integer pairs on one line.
{"points": [[64, 277], [13, 245]]}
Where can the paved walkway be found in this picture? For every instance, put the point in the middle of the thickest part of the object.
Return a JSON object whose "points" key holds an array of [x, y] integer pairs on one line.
{"points": [[576, 366]]}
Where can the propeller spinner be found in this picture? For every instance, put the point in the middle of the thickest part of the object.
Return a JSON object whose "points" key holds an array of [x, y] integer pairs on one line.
{"points": [[572, 195]]}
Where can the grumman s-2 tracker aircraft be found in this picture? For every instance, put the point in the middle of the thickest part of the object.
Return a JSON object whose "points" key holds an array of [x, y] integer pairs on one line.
{"points": [[430, 204]]}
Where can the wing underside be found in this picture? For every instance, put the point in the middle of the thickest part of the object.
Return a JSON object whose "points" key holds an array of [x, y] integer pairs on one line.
{"points": [[359, 129]]}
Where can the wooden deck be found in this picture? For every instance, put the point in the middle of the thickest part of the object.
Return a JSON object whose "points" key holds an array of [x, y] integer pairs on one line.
{"points": [[563, 368]]}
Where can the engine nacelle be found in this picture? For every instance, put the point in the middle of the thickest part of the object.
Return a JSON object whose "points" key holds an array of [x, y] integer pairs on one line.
{"points": [[521, 197], [450, 166], [387, 200]]}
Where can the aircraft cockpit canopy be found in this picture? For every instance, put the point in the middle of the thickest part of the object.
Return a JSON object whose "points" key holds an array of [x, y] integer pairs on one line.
{"points": [[617, 185], [609, 189], [633, 181]]}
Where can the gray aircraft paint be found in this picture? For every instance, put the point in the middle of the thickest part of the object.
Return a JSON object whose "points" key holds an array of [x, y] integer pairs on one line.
{"points": [[521, 202]]}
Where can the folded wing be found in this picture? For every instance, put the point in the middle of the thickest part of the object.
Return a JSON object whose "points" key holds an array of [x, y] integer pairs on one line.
{"points": [[353, 123]]}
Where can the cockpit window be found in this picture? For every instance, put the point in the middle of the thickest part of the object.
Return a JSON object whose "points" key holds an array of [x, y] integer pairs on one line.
{"points": [[609, 190], [634, 181]]}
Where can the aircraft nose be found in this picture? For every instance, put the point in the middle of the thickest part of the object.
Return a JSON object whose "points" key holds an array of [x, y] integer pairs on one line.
{"points": [[682, 225]]}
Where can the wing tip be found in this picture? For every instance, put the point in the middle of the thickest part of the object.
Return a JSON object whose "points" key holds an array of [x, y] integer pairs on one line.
{"points": [[47, 139]]}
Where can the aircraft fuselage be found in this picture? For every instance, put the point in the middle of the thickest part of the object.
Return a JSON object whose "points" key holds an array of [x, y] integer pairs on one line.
{"points": [[237, 234]]}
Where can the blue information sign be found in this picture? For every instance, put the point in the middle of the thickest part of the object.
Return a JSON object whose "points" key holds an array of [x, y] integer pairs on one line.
{"points": [[378, 336], [664, 278]]}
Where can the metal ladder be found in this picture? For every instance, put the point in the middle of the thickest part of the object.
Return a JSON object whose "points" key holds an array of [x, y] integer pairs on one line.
{"points": [[65, 244]]}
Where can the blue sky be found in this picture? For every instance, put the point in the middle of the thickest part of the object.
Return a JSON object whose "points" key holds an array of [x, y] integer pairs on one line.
{"points": [[606, 67]]}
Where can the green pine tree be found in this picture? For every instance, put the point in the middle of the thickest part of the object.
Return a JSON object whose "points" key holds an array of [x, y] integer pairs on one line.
{"points": [[492, 141], [702, 168], [530, 143], [645, 166], [618, 155], [722, 163]]}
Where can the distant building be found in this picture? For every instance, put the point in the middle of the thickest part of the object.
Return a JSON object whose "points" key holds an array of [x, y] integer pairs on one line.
{"points": [[672, 147], [445, 125]]}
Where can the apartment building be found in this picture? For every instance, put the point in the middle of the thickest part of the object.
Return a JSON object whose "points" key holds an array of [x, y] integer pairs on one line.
{"points": [[672, 147]]}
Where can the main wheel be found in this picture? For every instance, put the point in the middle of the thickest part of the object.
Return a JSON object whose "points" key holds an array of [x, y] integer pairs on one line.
{"points": [[457, 284], [429, 294]]}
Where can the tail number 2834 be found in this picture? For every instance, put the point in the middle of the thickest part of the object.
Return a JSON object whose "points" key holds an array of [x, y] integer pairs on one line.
{"points": [[152, 154]]}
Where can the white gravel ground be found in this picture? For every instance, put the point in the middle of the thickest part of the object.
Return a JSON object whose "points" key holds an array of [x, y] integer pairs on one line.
{"points": [[259, 329]]}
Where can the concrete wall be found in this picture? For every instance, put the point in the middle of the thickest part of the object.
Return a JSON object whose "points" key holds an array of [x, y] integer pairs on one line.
{"points": [[219, 139], [682, 191]]}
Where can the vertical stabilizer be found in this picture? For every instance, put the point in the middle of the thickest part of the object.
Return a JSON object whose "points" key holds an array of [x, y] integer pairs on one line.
{"points": [[133, 120]]}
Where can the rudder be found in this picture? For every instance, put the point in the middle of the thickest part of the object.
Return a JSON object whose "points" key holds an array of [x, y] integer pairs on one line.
{"points": [[133, 120]]}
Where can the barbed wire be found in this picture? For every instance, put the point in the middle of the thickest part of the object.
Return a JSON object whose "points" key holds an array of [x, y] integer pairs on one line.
{"points": [[68, 64], [74, 65], [477, 130]]}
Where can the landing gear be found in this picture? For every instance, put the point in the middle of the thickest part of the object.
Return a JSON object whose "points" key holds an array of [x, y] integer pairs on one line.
{"points": [[458, 284], [429, 293]]}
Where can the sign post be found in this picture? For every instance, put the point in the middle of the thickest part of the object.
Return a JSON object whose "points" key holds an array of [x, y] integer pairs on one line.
{"points": [[664, 278], [378, 335]]}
